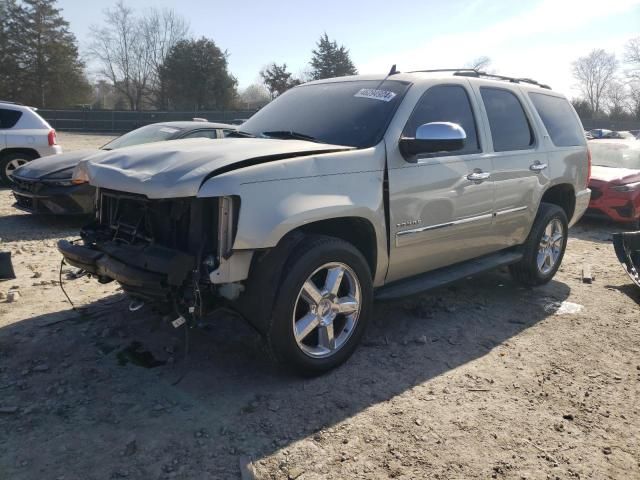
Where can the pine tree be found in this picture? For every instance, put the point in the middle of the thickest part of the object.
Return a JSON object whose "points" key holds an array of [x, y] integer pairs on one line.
{"points": [[47, 70], [10, 78], [196, 77], [277, 79], [330, 60]]}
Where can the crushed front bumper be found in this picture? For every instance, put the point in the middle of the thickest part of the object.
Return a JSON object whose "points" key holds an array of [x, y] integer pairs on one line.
{"points": [[150, 272], [35, 196]]}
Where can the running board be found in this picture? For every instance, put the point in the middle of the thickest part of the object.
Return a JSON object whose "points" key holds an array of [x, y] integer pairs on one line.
{"points": [[443, 276]]}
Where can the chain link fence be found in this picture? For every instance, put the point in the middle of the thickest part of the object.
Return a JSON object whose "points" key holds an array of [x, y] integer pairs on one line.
{"points": [[125, 121]]}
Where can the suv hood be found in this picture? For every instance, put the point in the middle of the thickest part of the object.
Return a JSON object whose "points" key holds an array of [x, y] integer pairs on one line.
{"points": [[178, 168], [40, 167]]}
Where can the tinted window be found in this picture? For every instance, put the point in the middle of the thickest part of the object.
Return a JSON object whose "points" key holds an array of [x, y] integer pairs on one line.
{"points": [[201, 134], [149, 134], [446, 103], [559, 120], [341, 113], [8, 118], [510, 129]]}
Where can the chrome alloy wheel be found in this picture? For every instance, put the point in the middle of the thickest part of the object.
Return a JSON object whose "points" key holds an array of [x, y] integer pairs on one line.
{"points": [[13, 165], [550, 246], [327, 310]]}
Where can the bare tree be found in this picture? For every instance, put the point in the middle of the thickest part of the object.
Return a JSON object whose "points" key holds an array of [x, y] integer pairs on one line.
{"points": [[594, 74], [161, 30], [617, 100], [480, 63], [634, 100], [131, 49], [632, 53]]}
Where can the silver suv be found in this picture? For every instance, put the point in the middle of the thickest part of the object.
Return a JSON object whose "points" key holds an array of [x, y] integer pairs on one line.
{"points": [[24, 136], [338, 192]]}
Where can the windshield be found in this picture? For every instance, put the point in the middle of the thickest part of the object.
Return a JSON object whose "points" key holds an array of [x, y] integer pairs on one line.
{"points": [[624, 154], [148, 134], [354, 114]]}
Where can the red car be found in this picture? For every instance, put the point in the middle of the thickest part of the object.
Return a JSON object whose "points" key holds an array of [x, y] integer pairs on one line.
{"points": [[615, 181]]}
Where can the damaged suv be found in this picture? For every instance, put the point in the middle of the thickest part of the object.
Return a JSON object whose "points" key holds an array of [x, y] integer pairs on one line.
{"points": [[338, 192]]}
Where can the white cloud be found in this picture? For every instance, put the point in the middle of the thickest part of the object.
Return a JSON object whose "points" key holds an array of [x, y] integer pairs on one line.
{"points": [[539, 58]]}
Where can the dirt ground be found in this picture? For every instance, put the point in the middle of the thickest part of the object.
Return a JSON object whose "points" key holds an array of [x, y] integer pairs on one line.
{"points": [[478, 380]]}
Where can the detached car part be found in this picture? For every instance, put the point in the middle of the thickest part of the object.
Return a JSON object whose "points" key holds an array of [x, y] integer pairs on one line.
{"points": [[627, 247], [6, 267]]}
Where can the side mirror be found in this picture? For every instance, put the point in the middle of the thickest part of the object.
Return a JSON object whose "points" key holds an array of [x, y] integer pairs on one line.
{"points": [[433, 138]]}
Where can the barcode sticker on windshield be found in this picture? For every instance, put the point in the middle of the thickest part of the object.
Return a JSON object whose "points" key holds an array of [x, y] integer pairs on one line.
{"points": [[384, 95]]}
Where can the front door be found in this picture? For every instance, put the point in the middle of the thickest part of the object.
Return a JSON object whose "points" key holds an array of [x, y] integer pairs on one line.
{"points": [[441, 205]]}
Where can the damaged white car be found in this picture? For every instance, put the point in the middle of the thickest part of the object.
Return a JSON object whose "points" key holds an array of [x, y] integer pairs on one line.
{"points": [[338, 191]]}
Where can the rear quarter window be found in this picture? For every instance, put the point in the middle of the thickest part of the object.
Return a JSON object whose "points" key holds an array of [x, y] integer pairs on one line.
{"points": [[559, 120], [9, 118], [510, 128]]}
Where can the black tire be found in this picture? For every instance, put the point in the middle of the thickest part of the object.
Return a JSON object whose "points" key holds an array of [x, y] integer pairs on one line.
{"points": [[309, 255], [526, 271], [5, 160]]}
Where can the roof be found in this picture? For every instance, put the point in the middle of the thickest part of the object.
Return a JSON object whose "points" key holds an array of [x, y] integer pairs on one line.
{"points": [[443, 74]]}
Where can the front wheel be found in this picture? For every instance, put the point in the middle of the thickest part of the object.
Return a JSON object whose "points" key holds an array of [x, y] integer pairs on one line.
{"points": [[322, 307], [544, 248]]}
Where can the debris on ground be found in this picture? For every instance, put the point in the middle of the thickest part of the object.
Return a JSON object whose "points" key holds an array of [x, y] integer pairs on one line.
{"points": [[587, 276], [563, 308]]}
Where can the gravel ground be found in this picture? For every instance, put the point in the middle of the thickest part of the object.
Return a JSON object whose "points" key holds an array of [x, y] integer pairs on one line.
{"points": [[483, 379]]}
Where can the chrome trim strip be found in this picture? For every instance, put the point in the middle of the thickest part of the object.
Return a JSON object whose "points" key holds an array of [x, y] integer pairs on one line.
{"points": [[511, 210], [406, 233]]}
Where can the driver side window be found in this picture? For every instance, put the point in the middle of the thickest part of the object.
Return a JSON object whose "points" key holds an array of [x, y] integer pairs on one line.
{"points": [[446, 103]]}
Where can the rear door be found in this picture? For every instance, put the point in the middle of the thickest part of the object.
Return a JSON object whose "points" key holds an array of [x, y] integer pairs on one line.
{"points": [[439, 216], [519, 159]]}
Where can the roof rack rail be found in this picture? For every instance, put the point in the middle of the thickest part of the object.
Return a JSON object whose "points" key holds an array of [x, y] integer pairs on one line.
{"points": [[472, 72]]}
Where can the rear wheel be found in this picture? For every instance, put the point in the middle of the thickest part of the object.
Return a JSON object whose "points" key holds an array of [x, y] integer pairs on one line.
{"points": [[544, 248], [322, 307], [10, 162]]}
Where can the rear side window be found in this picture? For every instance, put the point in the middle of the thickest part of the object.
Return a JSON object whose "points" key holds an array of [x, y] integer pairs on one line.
{"points": [[446, 103], [202, 134], [559, 120], [9, 118], [510, 128]]}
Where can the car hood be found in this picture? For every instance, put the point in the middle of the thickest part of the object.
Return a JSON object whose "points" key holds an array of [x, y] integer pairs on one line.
{"points": [[40, 167], [178, 168], [614, 175]]}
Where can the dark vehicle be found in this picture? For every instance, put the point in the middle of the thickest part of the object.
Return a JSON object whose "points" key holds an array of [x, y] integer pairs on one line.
{"points": [[44, 186]]}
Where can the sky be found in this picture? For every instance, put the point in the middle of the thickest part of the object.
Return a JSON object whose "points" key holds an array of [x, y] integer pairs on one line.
{"points": [[536, 39]]}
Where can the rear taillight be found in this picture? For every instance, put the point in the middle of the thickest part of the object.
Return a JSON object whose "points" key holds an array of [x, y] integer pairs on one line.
{"points": [[588, 167], [52, 137]]}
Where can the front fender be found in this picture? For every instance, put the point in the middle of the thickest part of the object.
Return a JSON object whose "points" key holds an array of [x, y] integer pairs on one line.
{"points": [[271, 207]]}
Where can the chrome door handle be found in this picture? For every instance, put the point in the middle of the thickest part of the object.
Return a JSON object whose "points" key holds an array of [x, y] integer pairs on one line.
{"points": [[538, 167], [478, 176]]}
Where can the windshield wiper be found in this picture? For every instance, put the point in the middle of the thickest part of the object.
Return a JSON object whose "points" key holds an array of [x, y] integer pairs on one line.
{"points": [[289, 134]]}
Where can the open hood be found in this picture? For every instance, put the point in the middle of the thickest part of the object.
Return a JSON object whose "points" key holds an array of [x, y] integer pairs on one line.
{"points": [[178, 168], [41, 167]]}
